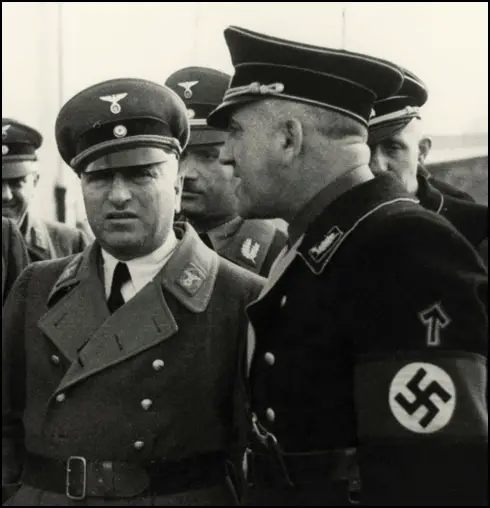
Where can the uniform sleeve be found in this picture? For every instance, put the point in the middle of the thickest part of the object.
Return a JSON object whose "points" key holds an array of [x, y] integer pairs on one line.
{"points": [[419, 334], [13, 379]]}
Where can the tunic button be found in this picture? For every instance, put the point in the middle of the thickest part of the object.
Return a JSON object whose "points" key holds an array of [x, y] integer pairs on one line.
{"points": [[158, 365], [270, 358], [138, 445], [271, 416], [284, 299], [146, 404], [55, 359], [60, 397]]}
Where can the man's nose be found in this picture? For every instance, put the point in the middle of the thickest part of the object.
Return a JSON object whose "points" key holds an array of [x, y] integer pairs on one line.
{"points": [[119, 192], [226, 154], [7, 193], [188, 168], [377, 162]]}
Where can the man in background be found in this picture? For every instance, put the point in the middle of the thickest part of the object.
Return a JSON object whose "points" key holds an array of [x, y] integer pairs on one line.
{"points": [[208, 199], [20, 176], [400, 146]]}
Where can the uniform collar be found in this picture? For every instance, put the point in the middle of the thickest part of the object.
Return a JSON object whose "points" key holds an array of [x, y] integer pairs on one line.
{"points": [[340, 217], [320, 201], [189, 274], [142, 269], [430, 197], [37, 237], [221, 234]]}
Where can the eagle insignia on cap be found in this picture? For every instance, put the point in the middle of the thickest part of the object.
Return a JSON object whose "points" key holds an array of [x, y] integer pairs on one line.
{"points": [[5, 129], [187, 85], [114, 100], [120, 131]]}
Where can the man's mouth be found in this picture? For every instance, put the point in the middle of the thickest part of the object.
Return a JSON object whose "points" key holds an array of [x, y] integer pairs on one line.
{"points": [[121, 215]]}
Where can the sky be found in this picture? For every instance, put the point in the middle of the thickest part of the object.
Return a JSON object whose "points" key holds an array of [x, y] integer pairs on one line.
{"points": [[445, 43], [52, 50]]}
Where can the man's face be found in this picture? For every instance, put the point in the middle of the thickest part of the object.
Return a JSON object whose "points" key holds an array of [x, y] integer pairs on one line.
{"points": [[400, 154], [253, 151], [131, 209], [209, 187], [17, 195]]}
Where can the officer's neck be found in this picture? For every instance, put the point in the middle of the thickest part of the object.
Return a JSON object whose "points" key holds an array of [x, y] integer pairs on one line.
{"points": [[338, 167], [207, 223]]}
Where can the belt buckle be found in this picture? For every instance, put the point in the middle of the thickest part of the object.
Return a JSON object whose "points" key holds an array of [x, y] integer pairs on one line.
{"points": [[73, 465]]}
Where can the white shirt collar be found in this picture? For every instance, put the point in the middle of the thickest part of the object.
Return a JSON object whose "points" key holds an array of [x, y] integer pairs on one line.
{"points": [[142, 269]]}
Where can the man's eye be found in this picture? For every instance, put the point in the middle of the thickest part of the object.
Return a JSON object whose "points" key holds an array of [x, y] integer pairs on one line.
{"points": [[142, 174], [393, 146], [99, 176], [211, 155]]}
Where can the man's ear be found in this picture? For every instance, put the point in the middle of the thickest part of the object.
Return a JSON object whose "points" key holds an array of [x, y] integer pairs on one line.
{"points": [[293, 138], [425, 144]]}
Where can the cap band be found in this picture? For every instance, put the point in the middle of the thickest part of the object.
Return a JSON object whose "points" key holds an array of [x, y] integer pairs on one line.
{"points": [[113, 145], [255, 81], [21, 151], [408, 111]]}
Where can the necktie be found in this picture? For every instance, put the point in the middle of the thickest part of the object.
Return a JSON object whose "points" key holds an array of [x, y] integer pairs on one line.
{"points": [[120, 277]]}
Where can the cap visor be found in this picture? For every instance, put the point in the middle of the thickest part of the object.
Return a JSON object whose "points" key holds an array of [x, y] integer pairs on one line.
{"points": [[206, 136], [138, 156], [18, 169], [219, 118], [383, 131]]}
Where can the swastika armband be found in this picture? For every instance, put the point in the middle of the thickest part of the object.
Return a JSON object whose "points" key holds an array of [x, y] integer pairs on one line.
{"points": [[402, 395]]}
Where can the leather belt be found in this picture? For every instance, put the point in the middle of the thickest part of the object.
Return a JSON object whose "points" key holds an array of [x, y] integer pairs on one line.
{"points": [[79, 477], [268, 466]]}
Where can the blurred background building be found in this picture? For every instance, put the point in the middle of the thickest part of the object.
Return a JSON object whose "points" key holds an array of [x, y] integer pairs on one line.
{"points": [[51, 50]]}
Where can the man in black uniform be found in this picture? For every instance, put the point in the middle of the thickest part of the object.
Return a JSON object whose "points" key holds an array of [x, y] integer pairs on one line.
{"points": [[399, 145], [20, 175], [208, 199], [367, 348]]}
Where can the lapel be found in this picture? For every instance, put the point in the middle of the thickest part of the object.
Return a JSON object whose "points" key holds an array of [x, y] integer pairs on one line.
{"points": [[347, 214], [37, 239], [76, 304], [93, 340], [430, 197]]}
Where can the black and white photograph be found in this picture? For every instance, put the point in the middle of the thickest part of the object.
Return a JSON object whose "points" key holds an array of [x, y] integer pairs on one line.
{"points": [[244, 253]]}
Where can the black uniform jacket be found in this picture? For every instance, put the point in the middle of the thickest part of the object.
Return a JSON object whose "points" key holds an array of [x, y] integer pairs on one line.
{"points": [[372, 335], [155, 380], [14, 256], [470, 218]]}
